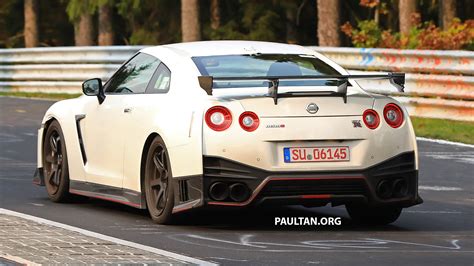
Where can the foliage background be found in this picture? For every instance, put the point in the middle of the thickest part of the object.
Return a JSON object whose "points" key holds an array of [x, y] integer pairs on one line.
{"points": [[158, 22]]}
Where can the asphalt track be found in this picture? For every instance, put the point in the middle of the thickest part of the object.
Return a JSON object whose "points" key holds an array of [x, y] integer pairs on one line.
{"points": [[438, 232]]}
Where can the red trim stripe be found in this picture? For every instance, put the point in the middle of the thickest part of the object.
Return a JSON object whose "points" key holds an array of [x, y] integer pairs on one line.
{"points": [[322, 196], [73, 191], [317, 178]]}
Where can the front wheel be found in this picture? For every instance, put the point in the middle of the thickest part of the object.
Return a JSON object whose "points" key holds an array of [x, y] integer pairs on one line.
{"points": [[373, 215], [55, 164], [157, 182]]}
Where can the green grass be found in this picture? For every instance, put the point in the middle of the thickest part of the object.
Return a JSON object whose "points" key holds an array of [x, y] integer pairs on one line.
{"points": [[40, 95], [444, 129], [424, 127]]}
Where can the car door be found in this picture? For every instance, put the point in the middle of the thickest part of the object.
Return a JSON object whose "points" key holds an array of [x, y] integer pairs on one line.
{"points": [[105, 128], [144, 109]]}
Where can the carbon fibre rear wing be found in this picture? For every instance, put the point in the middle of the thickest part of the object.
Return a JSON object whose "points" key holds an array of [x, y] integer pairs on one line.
{"points": [[396, 79]]}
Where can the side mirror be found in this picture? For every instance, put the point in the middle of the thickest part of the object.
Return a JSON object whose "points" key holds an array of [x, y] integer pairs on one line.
{"points": [[93, 87]]}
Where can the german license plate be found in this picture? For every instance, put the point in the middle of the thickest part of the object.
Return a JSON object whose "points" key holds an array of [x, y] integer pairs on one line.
{"points": [[316, 154]]}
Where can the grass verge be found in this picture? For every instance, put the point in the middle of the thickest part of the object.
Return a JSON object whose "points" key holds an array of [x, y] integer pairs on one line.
{"points": [[432, 128], [424, 127], [40, 95]]}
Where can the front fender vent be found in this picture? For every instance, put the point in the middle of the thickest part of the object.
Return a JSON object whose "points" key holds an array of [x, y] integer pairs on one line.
{"points": [[183, 190]]}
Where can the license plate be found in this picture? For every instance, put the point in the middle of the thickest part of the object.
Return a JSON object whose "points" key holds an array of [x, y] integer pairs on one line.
{"points": [[316, 154]]}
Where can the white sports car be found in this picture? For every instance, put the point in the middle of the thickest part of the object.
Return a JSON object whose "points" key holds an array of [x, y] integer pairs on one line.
{"points": [[232, 124]]}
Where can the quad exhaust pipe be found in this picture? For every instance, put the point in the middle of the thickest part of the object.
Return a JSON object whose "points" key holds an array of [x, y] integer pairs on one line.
{"points": [[387, 189], [221, 191], [239, 192]]}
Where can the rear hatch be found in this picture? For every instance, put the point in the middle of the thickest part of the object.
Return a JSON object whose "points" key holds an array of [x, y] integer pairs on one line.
{"points": [[308, 106], [288, 124]]}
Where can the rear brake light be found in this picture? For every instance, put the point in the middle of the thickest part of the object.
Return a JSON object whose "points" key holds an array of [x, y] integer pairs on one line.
{"points": [[393, 115], [371, 118], [218, 118], [249, 121]]}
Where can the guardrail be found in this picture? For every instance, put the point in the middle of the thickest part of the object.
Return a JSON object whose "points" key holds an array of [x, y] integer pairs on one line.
{"points": [[438, 83]]}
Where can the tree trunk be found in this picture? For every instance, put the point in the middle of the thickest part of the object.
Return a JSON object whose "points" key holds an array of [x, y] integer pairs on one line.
{"points": [[447, 12], [106, 33], [291, 26], [215, 15], [31, 23], [83, 31], [328, 22], [190, 26], [406, 8]]}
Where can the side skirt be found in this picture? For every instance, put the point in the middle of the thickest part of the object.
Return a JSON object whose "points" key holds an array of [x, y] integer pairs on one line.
{"points": [[114, 194]]}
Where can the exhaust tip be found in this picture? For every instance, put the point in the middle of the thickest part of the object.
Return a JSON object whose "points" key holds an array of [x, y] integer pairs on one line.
{"points": [[219, 191], [239, 192], [400, 188], [384, 189]]}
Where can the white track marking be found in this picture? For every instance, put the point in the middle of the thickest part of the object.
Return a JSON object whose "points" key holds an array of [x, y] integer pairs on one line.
{"points": [[454, 243], [107, 238], [460, 156], [441, 141], [439, 188], [19, 260], [219, 258], [435, 212]]}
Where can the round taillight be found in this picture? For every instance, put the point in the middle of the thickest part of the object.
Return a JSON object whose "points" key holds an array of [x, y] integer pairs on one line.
{"points": [[393, 115], [371, 118], [218, 118], [249, 121]]}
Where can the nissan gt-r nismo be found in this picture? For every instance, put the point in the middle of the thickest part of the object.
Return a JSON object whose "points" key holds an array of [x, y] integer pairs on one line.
{"points": [[232, 124]]}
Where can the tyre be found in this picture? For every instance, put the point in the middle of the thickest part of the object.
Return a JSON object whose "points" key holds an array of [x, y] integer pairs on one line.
{"points": [[55, 164], [158, 182], [373, 215]]}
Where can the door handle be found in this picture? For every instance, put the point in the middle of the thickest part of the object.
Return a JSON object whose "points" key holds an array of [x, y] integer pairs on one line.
{"points": [[127, 110]]}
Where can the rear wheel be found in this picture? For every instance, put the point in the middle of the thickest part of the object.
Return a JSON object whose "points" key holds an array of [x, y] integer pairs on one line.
{"points": [[158, 190], [55, 164], [373, 215]]}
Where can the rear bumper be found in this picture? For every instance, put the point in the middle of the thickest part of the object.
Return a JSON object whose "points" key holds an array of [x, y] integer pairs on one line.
{"points": [[307, 188]]}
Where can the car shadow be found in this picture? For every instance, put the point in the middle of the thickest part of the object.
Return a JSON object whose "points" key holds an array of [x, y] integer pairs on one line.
{"points": [[263, 218]]}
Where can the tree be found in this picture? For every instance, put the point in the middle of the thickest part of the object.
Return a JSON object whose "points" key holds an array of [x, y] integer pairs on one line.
{"points": [[80, 13], [190, 26], [106, 32], [447, 12], [406, 9], [328, 22], [215, 15], [31, 34]]}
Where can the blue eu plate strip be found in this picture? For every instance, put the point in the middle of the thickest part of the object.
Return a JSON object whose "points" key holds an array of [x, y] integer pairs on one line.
{"points": [[286, 155]]}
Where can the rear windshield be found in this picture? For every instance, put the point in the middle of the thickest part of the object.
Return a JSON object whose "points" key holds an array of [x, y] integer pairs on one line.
{"points": [[264, 65]]}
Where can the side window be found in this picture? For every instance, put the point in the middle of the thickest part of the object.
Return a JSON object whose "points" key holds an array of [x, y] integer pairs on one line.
{"points": [[134, 76], [160, 82]]}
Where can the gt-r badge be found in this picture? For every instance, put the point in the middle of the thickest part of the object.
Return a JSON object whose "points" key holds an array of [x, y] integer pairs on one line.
{"points": [[356, 123], [276, 126], [312, 108]]}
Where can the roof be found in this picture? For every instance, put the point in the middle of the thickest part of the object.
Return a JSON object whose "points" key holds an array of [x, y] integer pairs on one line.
{"points": [[207, 48]]}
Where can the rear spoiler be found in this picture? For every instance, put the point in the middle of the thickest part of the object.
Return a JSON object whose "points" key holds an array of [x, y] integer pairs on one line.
{"points": [[396, 79]]}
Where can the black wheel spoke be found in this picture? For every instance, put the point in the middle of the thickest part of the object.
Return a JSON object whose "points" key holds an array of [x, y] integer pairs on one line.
{"points": [[49, 158], [155, 182], [159, 198], [163, 159], [158, 179], [53, 141], [51, 177], [57, 176], [157, 161]]}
